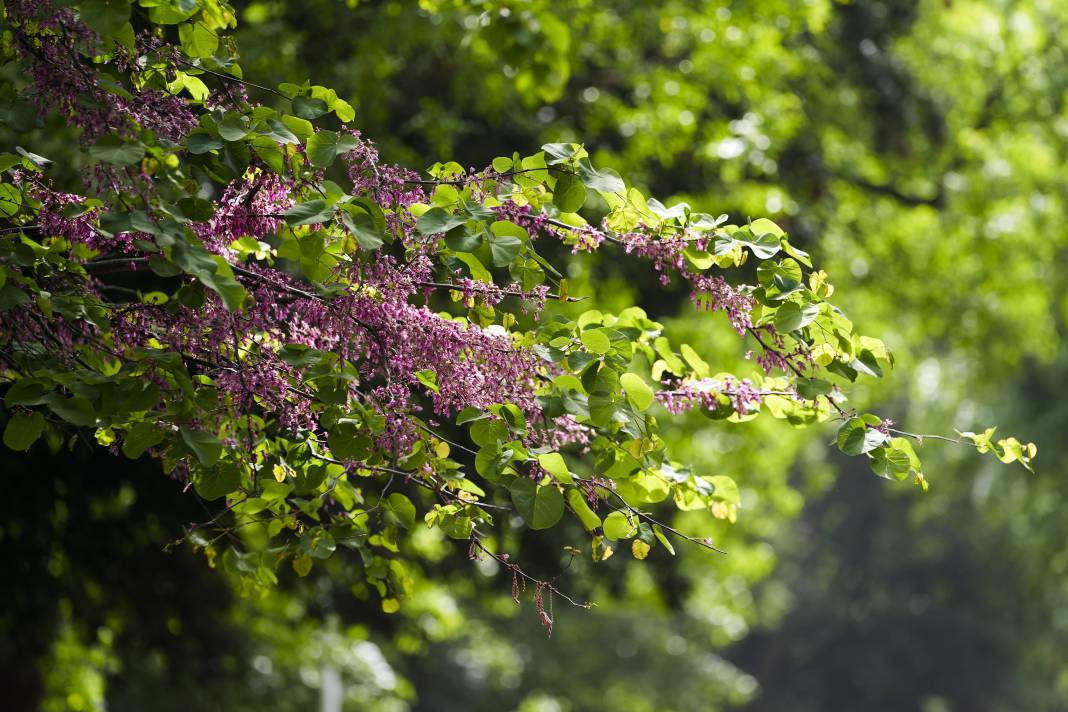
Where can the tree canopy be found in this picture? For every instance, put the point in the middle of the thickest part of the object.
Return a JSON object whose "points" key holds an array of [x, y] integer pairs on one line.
{"points": [[334, 352]]}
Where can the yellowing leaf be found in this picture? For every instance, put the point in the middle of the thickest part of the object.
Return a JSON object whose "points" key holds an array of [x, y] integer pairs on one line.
{"points": [[639, 549], [601, 549]]}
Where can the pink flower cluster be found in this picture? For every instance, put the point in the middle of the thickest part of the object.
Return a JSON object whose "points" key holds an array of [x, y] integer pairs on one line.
{"points": [[399, 358], [388, 185], [704, 393], [63, 83], [76, 230], [246, 208], [712, 293], [665, 252], [561, 432], [492, 294], [777, 357]]}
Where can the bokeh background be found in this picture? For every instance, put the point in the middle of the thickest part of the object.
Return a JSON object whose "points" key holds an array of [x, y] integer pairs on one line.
{"points": [[919, 150]]}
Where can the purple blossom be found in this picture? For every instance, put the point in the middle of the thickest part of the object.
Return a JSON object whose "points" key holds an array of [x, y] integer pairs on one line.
{"points": [[705, 392], [712, 293]]}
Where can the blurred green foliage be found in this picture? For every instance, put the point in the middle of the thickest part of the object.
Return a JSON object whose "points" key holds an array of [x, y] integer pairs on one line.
{"points": [[919, 148]]}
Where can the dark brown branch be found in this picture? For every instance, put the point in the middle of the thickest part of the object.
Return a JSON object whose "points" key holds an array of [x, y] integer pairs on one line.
{"points": [[510, 293]]}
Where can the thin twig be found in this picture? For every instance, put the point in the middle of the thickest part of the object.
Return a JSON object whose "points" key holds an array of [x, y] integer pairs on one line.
{"points": [[476, 540], [666, 527], [231, 78]]}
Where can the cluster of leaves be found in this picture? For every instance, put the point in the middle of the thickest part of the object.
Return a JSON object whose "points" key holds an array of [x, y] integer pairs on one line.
{"points": [[337, 361]]}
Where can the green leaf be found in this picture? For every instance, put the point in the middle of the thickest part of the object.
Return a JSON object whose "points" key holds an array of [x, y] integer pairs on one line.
{"points": [[197, 89], [363, 226], [557, 153], [504, 249], [279, 132], [429, 379], [553, 463], [344, 111], [301, 128], [867, 364], [478, 270], [212, 270], [508, 228], [217, 481], [26, 391], [855, 437], [11, 297], [204, 445], [764, 246], [469, 415], [235, 158], [139, 438], [23, 430], [658, 532], [726, 489], [319, 543], [569, 195], [638, 391], [198, 40], [761, 226], [322, 148], [308, 108], [21, 117], [171, 13], [200, 141], [619, 525], [10, 200], [596, 341], [309, 213], [105, 16], [890, 462], [270, 154], [460, 239], [799, 255], [605, 181], [438, 220], [197, 209], [8, 160], [233, 127], [403, 509], [582, 510], [75, 410], [788, 318], [302, 565], [673, 362], [700, 367], [346, 444], [487, 460], [541, 506], [112, 149], [700, 259], [811, 388]]}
